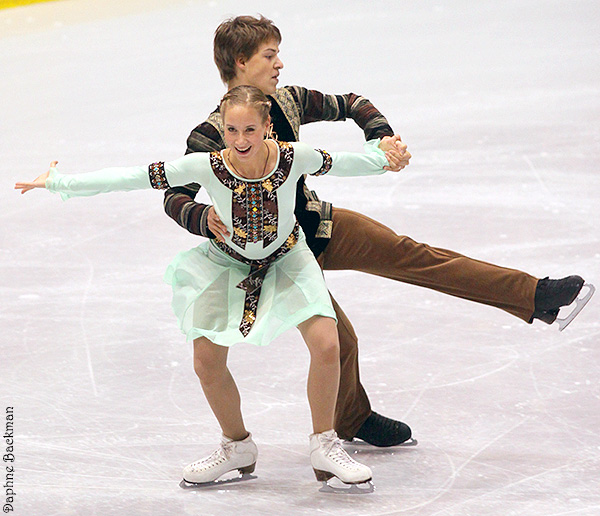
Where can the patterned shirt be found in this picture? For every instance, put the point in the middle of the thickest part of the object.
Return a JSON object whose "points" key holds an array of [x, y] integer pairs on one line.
{"points": [[292, 106]]}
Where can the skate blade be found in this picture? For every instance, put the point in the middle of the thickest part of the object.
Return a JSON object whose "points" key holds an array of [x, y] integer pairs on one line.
{"points": [[410, 442], [336, 486], [580, 303], [361, 444], [220, 482]]}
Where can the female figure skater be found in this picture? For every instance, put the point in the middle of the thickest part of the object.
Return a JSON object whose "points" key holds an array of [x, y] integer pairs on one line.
{"points": [[259, 281]]}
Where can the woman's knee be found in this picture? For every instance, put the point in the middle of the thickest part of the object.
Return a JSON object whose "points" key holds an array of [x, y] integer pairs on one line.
{"points": [[321, 337], [330, 351], [210, 360], [326, 348]]}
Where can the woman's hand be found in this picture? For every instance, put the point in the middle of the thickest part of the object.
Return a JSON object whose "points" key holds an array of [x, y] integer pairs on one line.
{"points": [[396, 152], [38, 182], [215, 225]]}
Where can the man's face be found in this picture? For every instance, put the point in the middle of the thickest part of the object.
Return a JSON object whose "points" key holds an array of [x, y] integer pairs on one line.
{"points": [[262, 69]]}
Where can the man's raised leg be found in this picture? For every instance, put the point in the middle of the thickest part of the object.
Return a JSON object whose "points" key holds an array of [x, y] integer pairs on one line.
{"points": [[363, 244]]}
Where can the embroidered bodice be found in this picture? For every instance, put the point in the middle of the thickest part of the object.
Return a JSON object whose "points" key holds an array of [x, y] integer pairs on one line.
{"points": [[259, 213]]}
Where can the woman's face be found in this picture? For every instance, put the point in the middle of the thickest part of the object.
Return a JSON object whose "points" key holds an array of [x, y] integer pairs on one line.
{"points": [[244, 131]]}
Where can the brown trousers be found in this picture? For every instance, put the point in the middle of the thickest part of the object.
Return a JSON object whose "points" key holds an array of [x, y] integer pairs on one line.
{"points": [[363, 244]]}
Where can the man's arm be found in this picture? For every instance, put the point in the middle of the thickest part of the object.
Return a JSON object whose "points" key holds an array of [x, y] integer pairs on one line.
{"points": [[315, 106], [179, 202]]}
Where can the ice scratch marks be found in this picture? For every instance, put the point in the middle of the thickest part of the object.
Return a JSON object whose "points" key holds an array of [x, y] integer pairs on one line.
{"points": [[541, 181], [454, 474], [534, 381], [585, 511], [507, 362], [510, 487], [478, 452], [556, 202], [452, 479], [86, 343], [175, 373], [104, 459]]}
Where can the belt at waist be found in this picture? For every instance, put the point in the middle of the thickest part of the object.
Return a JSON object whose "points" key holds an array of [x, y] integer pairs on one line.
{"points": [[252, 283]]}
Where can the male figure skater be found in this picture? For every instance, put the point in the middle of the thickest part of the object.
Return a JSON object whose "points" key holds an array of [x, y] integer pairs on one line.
{"points": [[246, 53]]}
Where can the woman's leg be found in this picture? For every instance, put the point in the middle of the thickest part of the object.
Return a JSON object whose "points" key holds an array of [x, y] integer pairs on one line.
{"points": [[237, 450], [321, 337], [327, 456], [210, 364]]}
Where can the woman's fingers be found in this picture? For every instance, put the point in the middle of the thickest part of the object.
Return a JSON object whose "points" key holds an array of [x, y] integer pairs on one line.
{"points": [[397, 161], [22, 186], [38, 182]]}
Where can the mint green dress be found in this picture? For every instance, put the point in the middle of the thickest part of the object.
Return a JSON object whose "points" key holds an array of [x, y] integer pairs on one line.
{"points": [[207, 298]]}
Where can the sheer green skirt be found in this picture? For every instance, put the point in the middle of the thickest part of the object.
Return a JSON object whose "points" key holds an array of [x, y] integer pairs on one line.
{"points": [[208, 303]]}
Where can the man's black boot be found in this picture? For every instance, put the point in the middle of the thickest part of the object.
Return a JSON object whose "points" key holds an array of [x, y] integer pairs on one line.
{"points": [[379, 430], [550, 295]]}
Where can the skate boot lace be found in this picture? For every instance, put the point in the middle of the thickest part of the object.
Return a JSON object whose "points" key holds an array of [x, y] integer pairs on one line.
{"points": [[334, 450], [219, 456]]}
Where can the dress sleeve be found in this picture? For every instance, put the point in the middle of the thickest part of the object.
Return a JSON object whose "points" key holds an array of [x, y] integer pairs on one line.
{"points": [[318, 162], [190, 168]]}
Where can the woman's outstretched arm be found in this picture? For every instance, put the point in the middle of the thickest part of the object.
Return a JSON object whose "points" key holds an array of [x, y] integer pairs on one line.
{"points": [[160, 175]]}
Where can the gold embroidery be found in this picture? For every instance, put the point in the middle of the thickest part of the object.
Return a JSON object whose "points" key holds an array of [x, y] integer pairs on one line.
{"points": [[240, 189], [267, 185], [285, 100], [325, 228], [240, 232], [216, 121], [270, 228]]}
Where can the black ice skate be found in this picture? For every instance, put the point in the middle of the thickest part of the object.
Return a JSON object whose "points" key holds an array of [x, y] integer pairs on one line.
{"points": [[552, 295], [382, 431]]}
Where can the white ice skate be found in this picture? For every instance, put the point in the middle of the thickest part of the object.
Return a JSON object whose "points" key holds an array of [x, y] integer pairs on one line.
{"points": [[230, 455], [329, 459]]}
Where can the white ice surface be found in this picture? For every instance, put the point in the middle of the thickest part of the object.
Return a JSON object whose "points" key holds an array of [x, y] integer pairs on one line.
{"points": [[499, 103]]}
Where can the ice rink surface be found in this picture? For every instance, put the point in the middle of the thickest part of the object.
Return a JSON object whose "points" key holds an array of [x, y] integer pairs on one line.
{"points": [[499, 103]]}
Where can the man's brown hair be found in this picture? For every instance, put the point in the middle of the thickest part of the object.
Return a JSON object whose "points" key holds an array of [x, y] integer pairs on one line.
{"points": [[240, 37]]}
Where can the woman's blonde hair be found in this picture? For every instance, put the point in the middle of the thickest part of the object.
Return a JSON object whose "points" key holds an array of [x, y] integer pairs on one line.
{"points": [[246, 96]]}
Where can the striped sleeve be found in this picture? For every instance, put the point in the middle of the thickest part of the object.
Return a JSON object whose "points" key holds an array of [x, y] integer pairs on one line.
{"points": [[204, 138], [179, 202], [315, 106]]}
